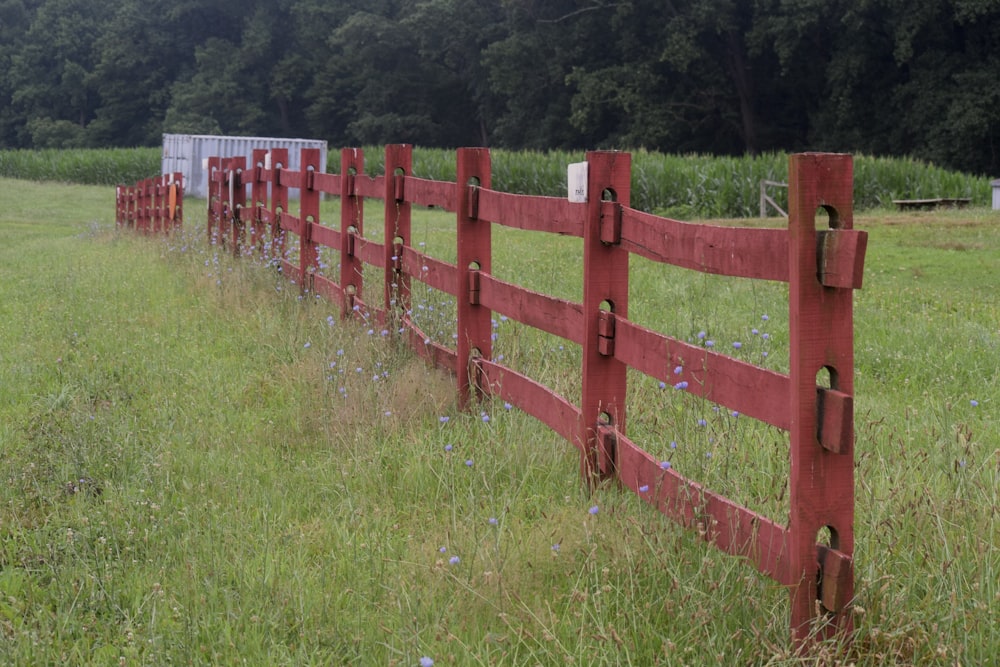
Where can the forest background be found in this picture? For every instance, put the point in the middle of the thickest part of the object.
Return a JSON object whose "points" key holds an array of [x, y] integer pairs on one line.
{"points": [[918, 78]]}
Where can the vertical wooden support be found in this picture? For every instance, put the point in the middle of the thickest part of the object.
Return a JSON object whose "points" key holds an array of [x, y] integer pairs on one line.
{"points": [[214, 198], [237, 197], [398, 165], [474, 256], [258, 198], [821, 332], [279, 203], [605, 297], [130, 207], [352, 216], [158, 204], [179, 204], [144, 214], [309, 215]]}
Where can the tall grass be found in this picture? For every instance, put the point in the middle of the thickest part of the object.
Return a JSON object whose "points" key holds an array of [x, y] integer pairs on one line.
{"points": [[203, 466]]}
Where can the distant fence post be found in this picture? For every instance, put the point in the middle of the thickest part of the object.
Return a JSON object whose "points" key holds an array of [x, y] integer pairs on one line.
{"points": [[766, 199], [176, 199], [309, 215], [474, 256], [821, 371], [237, 201], [214, 221], [398, 165], [605, 298], [279, 203], [352, 164], [258, 198], [156, 211]]}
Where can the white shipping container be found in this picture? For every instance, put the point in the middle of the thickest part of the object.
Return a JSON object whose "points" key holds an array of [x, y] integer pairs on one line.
{"points": [[189, 153], [996, 194]]}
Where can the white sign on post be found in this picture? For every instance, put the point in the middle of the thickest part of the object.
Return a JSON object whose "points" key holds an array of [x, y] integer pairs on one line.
{"points": [[267, 160], [576, 182]]}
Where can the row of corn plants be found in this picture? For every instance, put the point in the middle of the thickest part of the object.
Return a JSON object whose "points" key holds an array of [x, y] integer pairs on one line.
{"points": [[684, 186]]}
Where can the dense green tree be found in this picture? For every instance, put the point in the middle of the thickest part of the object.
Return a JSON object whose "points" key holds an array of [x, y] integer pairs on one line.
{"points": [[904, 77]]}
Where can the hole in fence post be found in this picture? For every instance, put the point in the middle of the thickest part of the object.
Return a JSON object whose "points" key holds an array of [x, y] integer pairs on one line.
{"points": [[609, 195], [604, 418], [827, 537], [826, 378], [474, 266], [830, 213], [607, 306]]}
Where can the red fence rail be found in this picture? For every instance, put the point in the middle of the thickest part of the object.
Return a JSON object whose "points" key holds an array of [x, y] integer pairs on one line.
{"points": [[152, 204], [813, 402]]}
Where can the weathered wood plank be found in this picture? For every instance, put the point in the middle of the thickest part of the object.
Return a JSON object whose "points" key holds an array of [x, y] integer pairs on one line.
{"points": [[738, 385], [532, 213], [532, 397], [426, 192], [544, 312], [729, 251]]}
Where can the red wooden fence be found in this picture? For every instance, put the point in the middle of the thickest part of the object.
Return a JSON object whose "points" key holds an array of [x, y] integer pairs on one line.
{"points": [[151, 205], [821, 267]]}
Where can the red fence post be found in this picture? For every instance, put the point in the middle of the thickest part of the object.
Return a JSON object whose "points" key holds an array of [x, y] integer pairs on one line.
{"points": [[309, 214], [258, 198], [237, 201], [130, 207], [605, 298], [474, 256], [279, 202], [146, 214], [398, 165], [821, 370], [214, 198], [177, 201], [352, 163]]}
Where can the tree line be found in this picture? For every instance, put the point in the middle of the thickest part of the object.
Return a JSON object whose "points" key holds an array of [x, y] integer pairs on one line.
{"points": [[889, 77]]}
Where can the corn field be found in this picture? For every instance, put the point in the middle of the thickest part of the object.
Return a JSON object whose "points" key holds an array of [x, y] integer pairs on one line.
{"points": [[680, 186]]}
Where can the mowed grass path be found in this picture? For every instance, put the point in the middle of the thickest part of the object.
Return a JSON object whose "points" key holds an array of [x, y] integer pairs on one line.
{"points": [[199, 466]]}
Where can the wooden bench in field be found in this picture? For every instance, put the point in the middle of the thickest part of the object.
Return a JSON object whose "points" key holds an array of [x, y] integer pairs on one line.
{"points": [[927, 204]]}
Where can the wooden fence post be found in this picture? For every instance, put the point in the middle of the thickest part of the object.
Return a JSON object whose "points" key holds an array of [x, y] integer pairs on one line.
{"points": [[821, 326], [309, 214], [352, 163], [159, 204], [176, 199], [474, 256], [605, 298], [214, 199], [237, 201], [398, 165], [258, 199], [279, 203], [130, 207]]}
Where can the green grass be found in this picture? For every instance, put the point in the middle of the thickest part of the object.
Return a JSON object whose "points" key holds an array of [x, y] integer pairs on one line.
{"points": [[187, 478]]}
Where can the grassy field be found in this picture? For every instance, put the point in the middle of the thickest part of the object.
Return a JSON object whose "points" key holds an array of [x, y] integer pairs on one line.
{"points": [[202, 466]]}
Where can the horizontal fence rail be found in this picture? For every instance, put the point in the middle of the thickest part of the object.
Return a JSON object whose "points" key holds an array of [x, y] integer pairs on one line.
{"points": [[248, 208], [152, 204]]}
